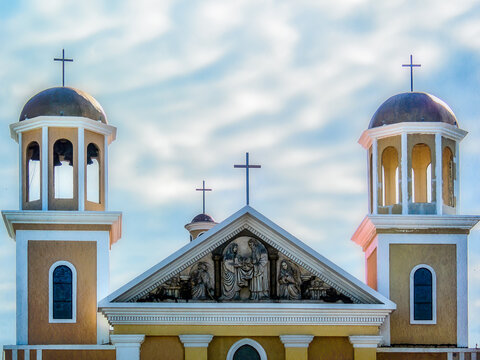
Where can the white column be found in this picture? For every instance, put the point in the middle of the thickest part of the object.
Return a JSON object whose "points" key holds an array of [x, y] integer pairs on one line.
{"points": [[26, 354], [462, 290], [127, 347], [14, 354], [105, 169], [39, 354], [457, 177], [44, 161], [439, 173], [20, 172], [195, 341], [81, 169], [296, 341], [449, 356], [473, 356], [22, 287], [375, 177], [461, 356], [369, 181], [404, 170]]}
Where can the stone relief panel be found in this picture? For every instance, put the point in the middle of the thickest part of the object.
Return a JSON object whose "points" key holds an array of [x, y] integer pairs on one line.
{"points": [[245, 269]]}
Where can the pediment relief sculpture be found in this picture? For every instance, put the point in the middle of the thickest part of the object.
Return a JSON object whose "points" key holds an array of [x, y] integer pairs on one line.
{"points": [[245, 269]]}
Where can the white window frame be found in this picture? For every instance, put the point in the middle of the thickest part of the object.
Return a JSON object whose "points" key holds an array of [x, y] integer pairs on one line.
{"points": [[246, 341], [74, 293], [434, 296]]}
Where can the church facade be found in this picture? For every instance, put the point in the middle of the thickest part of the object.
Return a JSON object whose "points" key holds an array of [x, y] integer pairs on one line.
{"points": [[243, 288]]}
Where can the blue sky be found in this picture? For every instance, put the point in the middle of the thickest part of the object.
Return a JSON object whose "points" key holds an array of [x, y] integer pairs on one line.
{"points": [[192, 85]]}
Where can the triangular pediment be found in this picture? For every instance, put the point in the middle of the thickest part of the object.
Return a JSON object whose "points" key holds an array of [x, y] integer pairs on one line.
{"points": [[246, 258]]}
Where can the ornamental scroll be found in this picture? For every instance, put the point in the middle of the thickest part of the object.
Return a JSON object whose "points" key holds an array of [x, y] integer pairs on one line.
{"points": [[245, 269]]}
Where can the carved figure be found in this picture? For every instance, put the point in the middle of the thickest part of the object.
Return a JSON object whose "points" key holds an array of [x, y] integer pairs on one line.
{"points": [[317, 290], [202, 288], [172, 288], [236, 272], [289, 282], [259, 287]]}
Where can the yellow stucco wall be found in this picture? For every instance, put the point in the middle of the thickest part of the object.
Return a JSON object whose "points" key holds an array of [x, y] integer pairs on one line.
{"points": [[442, 258], [246, 330], [338, 348], [169, 346], [220, 345], [41, 256]]}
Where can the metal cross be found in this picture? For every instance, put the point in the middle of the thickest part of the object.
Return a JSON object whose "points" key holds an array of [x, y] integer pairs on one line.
{"points": [[411, 66], [203, 190], [63, 65], [247, 166]]}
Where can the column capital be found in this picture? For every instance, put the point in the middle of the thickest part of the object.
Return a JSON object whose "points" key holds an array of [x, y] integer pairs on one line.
{"points": [[365, 341], [297, 341], [127, 340], [198, 340]]}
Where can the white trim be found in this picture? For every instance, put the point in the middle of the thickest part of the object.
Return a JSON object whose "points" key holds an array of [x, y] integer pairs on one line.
{"points": [[14, 354], [105, 171], [26, 355], [74, 292], [243, 314], [113, 218], [427, 350], [456, 184], [44, 171], [81, 168], [22, 290], [439, 173], [375, 177], [20, 171], [64, 122], [58, 347], [246, 341], [201, 225], [369, 181], [195, 341], [434, 295], [39, 354], [404, 170], [446, 130], [365, 341], [296, 341], [462, 293]]}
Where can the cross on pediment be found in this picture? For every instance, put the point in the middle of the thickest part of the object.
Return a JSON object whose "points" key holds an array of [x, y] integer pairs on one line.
{"points": [[247, 166]]}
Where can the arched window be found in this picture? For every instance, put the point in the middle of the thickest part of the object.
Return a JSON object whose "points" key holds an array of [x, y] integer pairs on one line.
{"points": [[390, 176], [447, 177], [62, 293], [421, 174], [246, 349], [33, 171], [63, 169], [93, 173], [423, 295]]}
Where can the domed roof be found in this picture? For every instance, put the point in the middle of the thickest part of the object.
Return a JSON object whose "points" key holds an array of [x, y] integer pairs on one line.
{"points": [[63, 101], [413, 107], [203, 218]]}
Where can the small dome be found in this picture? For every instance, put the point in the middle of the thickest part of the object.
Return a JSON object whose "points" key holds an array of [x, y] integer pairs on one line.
{"points": [[63, 101], [202, 218], [413, 107]]}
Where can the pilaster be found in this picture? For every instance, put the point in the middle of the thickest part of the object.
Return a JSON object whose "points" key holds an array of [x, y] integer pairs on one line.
{"points": [[196, 346], [365, 346], [296, 346], [127, 347]]}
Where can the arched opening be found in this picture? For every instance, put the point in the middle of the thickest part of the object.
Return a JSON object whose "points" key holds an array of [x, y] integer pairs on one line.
{"points": [[421, 174], [390, 181], [33, 171], [422, 294], [246, 349], [447, 177], [63, 169], [93, 173], [62, 292]]}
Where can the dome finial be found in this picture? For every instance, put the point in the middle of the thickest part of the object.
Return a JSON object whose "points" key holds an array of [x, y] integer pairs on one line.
{"points": [[411, 66], [63, 59]]}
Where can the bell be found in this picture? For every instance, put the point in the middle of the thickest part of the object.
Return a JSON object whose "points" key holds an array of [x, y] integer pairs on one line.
{"points": [[56, 160]]}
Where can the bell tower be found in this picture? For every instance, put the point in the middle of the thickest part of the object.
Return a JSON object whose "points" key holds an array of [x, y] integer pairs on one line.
{"points": [[413, 236], [63, 229]]}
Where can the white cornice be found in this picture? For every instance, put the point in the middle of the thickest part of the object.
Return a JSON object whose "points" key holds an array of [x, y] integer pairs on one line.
{"points": [[444, 129], [112, 218], [365, 341], [370, 225], [200, 225], [127, 339], [296, 341], [63, 121], [195, 340], [266, 314]]}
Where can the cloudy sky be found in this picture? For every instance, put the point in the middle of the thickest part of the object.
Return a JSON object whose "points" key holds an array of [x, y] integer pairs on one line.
{"points": [[192, 85]]}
